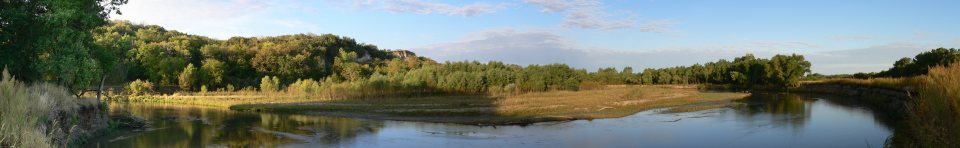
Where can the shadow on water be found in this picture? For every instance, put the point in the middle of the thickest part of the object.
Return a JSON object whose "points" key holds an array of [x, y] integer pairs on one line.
{"points": [[192, 126], [793, 110]]}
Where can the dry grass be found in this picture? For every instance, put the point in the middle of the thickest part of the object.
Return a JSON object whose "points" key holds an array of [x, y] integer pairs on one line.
{"points": [[934, 121], [613, 101], [38, 115], [891, 83]]}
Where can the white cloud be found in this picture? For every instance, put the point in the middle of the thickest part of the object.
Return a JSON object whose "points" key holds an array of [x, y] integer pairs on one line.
{"points": [[784, 45], [423, 7], [854, 38], [545, 46], [219, 19], [591, 14], [550, 6], [868, 59], [657, 26]]}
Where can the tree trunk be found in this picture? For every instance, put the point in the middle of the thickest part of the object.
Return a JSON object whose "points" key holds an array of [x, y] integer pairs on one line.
{"points": [[100, 89]]}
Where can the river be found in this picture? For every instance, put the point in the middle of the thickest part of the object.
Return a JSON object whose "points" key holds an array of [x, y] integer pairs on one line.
{"points": [[762, 120]]}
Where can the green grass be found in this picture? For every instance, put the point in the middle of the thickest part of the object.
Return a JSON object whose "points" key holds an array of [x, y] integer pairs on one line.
{"points": [[608, 102]]}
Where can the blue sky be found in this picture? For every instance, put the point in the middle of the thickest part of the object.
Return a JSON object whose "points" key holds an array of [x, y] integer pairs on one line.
{"points": [[837, 36]]}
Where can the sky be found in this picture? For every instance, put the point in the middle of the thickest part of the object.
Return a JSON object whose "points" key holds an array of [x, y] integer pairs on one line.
{"points": [[836, 36]]}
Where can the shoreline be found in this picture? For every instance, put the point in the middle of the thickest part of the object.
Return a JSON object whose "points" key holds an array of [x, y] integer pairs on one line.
{"points": [[523, 109]]}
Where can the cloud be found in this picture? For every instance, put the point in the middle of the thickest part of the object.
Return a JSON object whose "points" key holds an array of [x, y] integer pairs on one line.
{"points": [[848, 38], [219, 19], [590, 14], [657, 26], [423, 7], [868, 59], [781, 45], [545, 47]]}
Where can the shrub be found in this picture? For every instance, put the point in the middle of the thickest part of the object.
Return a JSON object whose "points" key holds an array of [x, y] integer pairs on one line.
{"points": [[203, 89], [269, 84], [307, 86], [140, 87], [590, 85]]}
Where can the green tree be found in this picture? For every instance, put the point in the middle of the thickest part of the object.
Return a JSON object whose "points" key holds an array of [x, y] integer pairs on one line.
{"points": [[213, 71], [188, 78], [50, 39], [786, 71], [269, 84]]}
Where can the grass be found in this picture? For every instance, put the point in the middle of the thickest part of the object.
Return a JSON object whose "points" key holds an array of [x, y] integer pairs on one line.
{"points": [[908, 83], [608, 102], [39, 115], [934, 119]]}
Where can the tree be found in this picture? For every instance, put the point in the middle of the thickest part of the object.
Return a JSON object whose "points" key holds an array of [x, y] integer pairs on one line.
{"points": [[269, 84], [345, 65], [628, 76], [188, 78], [50, 39], [162, 62], [213, 70], [786, 71]]}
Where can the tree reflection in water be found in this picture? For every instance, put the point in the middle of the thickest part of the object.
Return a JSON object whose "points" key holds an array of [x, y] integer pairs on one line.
{"points": [[192, 126], [782, 109]]}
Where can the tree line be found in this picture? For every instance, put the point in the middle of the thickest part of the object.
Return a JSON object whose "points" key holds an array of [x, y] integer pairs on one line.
{"points": [[780, 71], [170, 59], [919, 64], [165, 60]]}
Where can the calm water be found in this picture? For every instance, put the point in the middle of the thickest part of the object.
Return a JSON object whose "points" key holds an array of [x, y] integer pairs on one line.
{"points": [[765, 120]]}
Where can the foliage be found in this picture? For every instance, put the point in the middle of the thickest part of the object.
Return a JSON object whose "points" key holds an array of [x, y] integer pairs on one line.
{"points": [[188, 78], [140, 87], [781, 70], [51, 40], [269, 84], [919, 65]]}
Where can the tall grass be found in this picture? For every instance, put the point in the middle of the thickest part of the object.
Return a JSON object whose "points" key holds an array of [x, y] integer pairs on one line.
{"points": [[891, 83], [934, 121], [35, 115]]}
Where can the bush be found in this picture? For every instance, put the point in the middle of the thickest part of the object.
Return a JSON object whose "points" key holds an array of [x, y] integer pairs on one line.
{"points": [[203, 89], [140, 87], [306, 86], [590, 85], [269, 84]]}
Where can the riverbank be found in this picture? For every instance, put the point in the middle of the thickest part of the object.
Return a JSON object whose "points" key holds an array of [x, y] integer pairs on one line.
{"points": [[609, 102], [45, 115]]}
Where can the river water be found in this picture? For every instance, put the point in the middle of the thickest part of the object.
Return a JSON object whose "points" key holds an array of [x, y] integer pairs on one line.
{"points": [[762, 120]]}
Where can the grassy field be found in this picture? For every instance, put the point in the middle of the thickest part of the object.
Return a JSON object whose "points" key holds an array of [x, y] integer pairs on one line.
{"points": [[610, 102]]}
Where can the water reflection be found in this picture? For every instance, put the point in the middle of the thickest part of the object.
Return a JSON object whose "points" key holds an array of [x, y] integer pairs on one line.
{"points": [[781, 109], [192, 126], [763, 120]]}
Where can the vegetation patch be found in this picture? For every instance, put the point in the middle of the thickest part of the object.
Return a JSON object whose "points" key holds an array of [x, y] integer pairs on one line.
{"points": [[44, 115]]}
